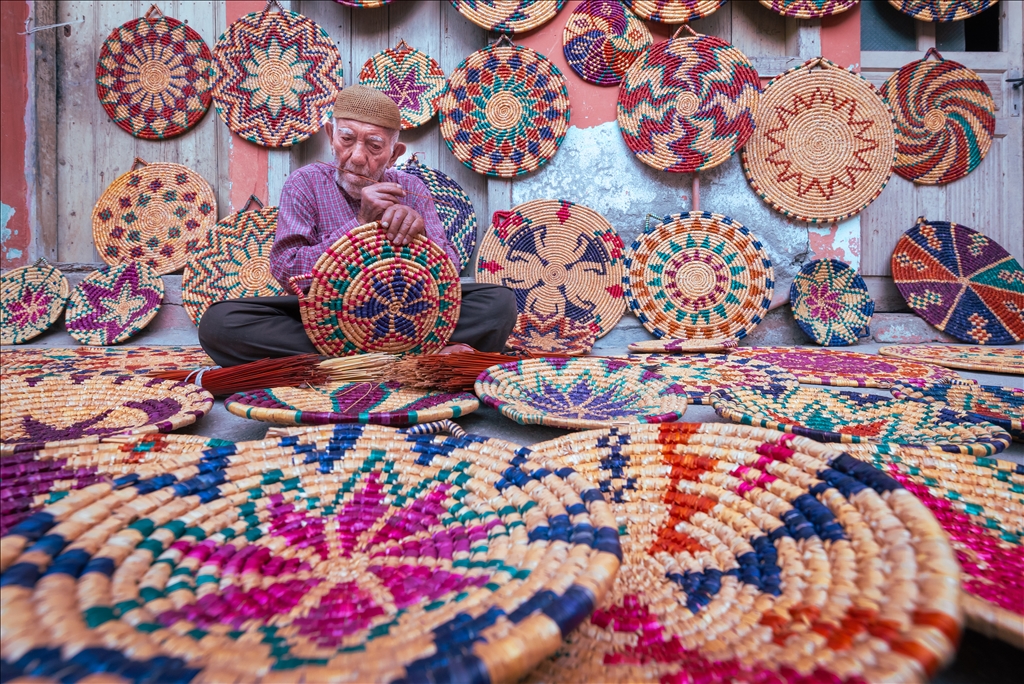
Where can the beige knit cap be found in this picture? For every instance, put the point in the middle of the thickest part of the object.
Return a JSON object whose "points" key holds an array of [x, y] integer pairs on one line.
{"points": [[360, 103]]}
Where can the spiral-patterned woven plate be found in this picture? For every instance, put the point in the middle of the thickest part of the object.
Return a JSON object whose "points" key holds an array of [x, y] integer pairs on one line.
{"points": [[673, 11], [602, 39], [942, 10]]}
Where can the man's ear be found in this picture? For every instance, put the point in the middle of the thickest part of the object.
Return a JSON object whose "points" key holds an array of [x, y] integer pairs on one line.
{"points": [[396, 153], [329, 129]]}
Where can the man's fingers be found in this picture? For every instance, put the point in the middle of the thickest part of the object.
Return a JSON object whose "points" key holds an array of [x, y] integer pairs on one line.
{"points": [[389, 222], [402, 238], [387, 189]]}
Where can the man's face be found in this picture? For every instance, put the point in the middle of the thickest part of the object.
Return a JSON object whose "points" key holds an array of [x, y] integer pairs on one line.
{"points": [[363, 152]]}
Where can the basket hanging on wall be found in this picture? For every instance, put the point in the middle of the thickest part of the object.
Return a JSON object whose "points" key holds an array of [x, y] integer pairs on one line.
{"points": [[364, 3], [509, 16], [831, 303], [942, 10], [409, 77], [808, 9], [454, 207], [602, 39], [114, 303], [31, 300], [673, 11]]}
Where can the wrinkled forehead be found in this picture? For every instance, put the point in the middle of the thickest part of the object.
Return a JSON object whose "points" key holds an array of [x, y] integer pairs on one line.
{"points": [[366, 131]]}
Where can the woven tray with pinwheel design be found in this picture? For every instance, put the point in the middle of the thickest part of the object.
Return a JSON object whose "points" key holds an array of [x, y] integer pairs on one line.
{"points": [[602, 39]]}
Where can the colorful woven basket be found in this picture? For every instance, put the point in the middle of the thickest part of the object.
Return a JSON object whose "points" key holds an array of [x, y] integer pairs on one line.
{"points": [[509, 16], [364, 3], [673, 11], [558, 258], [454, 207], [945, 119], [553, 333], [40, 361], [276, 77], [361, 402], [114, 303], [40, 412], [602, 39], [158, 214], [960, 281], [31, 300], [942, 10], [845, 369], [153, 76], [670, 346], [808, 9], [367, 553], [754, 556], [985, 359], [824, 143], [831, 303], [580, 393], [368, 295], [699, 276], [505, 111], [1002, 406], [699, 376], [687, 104], [853, 418], [409, 77], [233, 263]]}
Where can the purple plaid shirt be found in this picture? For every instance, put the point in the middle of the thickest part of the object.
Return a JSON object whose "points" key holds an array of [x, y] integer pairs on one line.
{"points": [[315, 212]]}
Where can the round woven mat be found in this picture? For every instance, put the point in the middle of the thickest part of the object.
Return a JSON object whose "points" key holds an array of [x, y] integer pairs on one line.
{"points": [[409, 77], [961, 281], [945, 118], [369, 295], [688, 104], [233, 263], [942, 10], [364, 3], [808, 9], [670, 346], [985, 359], [699, 376], [552, 333], [368, 554], [153, 76], [823, 145], [843, 368], [505, 111], [580, 393], [114, 303], [753, 556], [1002, 406], [602, 39], [509, 16], [454, 207], [831, 303], [39, 361], [158, 214], [673, 11], [558, 258], [38, 412], [360, 402], [853, 417], [276, 77], [31, 300], [699, 276]]}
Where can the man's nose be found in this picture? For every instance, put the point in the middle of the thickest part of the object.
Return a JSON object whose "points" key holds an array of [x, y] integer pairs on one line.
{"points": [[359, 156]]}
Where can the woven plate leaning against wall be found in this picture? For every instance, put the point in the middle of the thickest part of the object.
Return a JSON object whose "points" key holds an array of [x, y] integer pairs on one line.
{"points": [[114, 303], [831, 303], [454, 207], [31, 300]]}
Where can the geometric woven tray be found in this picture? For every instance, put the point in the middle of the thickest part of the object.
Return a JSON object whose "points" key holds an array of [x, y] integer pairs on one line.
{"points": [[409, 77], [114, 303], [750, 555], [509, 16], [702, 374], [454, 207], [942, 10], [831, 303], [365, 553], [808, 9], [1002, 406], [673, 11], [31, 300], [985, 359], [845, 369]]}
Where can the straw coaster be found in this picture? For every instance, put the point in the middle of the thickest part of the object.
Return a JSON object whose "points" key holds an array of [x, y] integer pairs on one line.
{"points": [[602, 39], [38, 361], [31, 300], [369, 295], [845, 369], [942, 10], [558, 258], [580, 393], [551, 333], [359, 402], [114, 303], [454, 207], [233, 263], [831, 303], [699, 376], [56, 408], [409, 77], [509, 16], [668, 346], [158, 214], [1002, 406], [276, 77], [808, 9], [505, 111], [673, 11], [699, 276], [153, 76], [823, 145], [977, 501], [853, 418], [754, 556], [984, 359], [960, 281], [688, 104], [368, 554]]}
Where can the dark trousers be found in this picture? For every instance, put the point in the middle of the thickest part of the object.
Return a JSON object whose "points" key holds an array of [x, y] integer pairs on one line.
{"points": [[244, 330]]}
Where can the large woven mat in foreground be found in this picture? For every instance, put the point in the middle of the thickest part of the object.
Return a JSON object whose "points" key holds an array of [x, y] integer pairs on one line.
{"points": [[845, 369], [100, 360], [358, 553], [753, 556], [702, 374], [1002, 406], [985, 359]]}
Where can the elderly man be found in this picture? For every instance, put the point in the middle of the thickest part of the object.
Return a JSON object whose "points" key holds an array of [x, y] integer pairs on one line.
{"points": [[319, 203]]}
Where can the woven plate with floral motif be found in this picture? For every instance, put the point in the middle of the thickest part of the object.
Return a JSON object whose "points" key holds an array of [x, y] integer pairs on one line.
{"points": [[509, 16], [602, 39], [409, 77], [31, 300], [454, 207], [831, 303], [844, 368], [553, 333], [114, 303], [942, 10], [808, 9], [673, 11]]}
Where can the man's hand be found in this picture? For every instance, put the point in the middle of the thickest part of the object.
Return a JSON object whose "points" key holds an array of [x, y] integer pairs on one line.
{"points": [[402, 224], [376, 199]]}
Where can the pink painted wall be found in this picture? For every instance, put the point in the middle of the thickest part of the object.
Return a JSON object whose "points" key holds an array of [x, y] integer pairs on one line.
{"points": [[248, 162], [840, 38], [15, 229]]}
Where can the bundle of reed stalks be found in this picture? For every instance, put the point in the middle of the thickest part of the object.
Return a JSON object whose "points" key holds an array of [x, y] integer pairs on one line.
{"points": [[454, 372]]}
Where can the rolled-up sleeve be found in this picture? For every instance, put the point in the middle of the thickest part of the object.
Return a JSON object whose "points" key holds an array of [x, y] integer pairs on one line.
{"points": [[296, 245], [421, 201]]}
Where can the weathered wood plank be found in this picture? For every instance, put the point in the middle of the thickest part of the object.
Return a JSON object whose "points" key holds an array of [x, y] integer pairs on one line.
{"points": [[46, 80], [755, 32]]}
